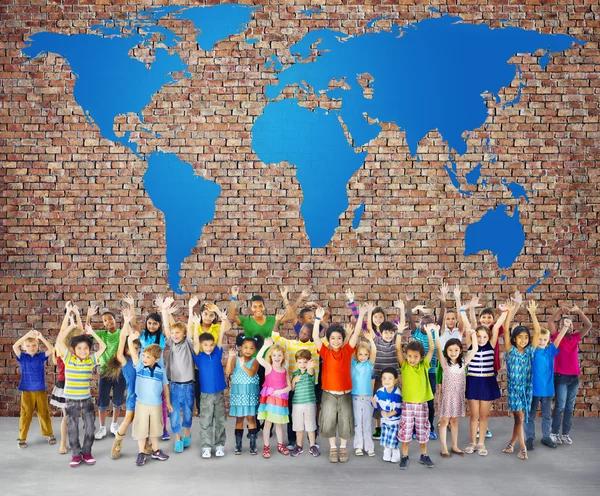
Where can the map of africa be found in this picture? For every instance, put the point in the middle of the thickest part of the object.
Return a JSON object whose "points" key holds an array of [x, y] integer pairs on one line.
{"points": [[432, 74]]}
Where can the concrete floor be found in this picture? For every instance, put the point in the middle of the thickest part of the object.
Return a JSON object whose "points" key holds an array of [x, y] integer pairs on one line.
{"points": [[39, 469]]}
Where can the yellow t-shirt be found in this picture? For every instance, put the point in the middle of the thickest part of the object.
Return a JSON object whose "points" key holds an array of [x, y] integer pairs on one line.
{"points": [[292, 346]]}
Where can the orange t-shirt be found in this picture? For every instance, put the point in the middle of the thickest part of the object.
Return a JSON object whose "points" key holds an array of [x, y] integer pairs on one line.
{"points": [[335, 372]]}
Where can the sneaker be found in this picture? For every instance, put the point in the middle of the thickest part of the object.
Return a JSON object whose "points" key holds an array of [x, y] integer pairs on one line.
{"points": [[100, 433], [296, 451], [565, 439], [334, 455], [548, 442], [291, 447], [425, 460], [377, 433], [114, 428], [206, 453], [141, 459], [404, 463], [488, 434], [343, 454], [371, 453], [529, 444], [395, 455], [166, 436], [387, 454], [76, 461], [556, 438], [160, 455], [89, 459], [432, 436], [178, 448], [220, 451], [187, 441], [314, 451]]}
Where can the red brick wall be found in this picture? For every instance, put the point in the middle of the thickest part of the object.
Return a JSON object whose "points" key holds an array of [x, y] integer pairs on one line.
{"points": [[77, 224]]}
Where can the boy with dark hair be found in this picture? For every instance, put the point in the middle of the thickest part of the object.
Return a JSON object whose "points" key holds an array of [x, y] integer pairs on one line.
{"points": [[304, 400], [388, 401]]}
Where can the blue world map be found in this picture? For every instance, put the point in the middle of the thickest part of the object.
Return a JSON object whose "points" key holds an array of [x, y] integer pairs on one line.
{"points": [[434, 74]]}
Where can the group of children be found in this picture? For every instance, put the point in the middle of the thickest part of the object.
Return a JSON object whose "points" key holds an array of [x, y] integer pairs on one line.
{"points": [[334, 384]]}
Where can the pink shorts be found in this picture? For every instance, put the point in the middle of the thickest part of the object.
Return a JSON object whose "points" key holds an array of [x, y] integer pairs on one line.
{"points": [[414, 418]]}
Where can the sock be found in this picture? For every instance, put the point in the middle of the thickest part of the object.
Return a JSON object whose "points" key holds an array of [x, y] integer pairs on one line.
{"points": [[332, 447], [343, 447]]}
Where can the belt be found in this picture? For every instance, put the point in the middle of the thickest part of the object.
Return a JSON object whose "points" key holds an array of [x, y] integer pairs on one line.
{"points": [[481, 375]]}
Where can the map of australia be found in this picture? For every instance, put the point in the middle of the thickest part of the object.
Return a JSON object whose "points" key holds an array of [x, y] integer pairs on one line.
{"points": [[431, 75]]}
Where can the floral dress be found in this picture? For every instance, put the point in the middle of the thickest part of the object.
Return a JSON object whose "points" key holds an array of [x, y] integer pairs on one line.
{"points": [[519, 373], [454, 383]]}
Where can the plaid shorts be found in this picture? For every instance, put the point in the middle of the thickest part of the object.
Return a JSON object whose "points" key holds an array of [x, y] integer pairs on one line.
{"points": [[389, 435], [414, 418]]}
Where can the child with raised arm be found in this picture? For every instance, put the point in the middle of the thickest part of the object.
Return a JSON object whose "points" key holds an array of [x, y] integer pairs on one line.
{"points": [[33, 385], [79, 363], [388, 401], [454, 382], [519, 358], [416, 393], [305, 403], [543, 385], [336, 407], [208, 357], [566, 372]]}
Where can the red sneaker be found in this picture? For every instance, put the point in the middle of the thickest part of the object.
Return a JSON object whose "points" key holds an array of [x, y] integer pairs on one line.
{"points": [[89, 459], [76, 461]]}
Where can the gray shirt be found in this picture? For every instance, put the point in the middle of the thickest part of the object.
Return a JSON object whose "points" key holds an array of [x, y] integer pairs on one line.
{"points": [[180, 364]]}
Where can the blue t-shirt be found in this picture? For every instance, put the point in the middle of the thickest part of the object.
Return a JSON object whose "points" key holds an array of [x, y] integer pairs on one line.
{"points": [[543, 370], [210, 370], [129, 373], [149, 383], [361, 377], [32, 371], [388, 402]]}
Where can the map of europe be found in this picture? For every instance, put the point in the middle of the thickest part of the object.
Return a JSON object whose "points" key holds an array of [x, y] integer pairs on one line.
{"points": [[433, 74]]}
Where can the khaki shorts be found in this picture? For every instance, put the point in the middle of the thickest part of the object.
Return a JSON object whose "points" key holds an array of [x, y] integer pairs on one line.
{"points": [[304, 417], [336, 413], [148, 421]]}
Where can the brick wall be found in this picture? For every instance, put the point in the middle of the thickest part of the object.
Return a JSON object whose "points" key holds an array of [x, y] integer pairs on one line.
{"points": [[76, 222]]}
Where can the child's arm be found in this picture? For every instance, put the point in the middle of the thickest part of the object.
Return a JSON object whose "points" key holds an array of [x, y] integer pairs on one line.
{"points": [[191, 328], [319, 312], [563, 331], [472, 306], [399, 304], [253, 369], [164, 310], [303, 296], [230, 365], [474, 346], [351, 303], [20, 341], [496, 329], [399, 346], [49, 347], [101, 344], [167, 394], [412, 326], [290, 310], [553, 318], [532, 307], [195, 333], [75, 310], [133, 351], [370, 308], [458, 306], [587, 325], [440, 351], [358, 327], [513, 306], [261, 353], [130, 302], [91, 311], [371, 339], [279, 317], [235, 291], [120, 354], [466, 325], [61, 347], [443, 295], [225, 326], [431, 346]]}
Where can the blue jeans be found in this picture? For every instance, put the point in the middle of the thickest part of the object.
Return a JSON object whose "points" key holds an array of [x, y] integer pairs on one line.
{"points": [[182, 398], [546, 402], [565, 387]]}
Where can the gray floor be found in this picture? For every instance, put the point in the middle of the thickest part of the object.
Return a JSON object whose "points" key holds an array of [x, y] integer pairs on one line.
{"points": [[39, 469]]}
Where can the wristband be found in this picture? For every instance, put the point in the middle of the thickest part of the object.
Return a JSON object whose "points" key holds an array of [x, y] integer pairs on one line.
{"points": [[505, 310], [317, 318], [233, 298], [463, 310]]}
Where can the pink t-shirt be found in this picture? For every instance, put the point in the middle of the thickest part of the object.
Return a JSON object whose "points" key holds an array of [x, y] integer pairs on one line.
{"points": [[567, 361]]}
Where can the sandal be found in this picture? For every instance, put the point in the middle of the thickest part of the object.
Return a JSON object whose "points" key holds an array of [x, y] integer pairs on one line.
{"points": [[63, 450], [523, 455], [267, 452], [458, 452], [51, 440], [469, 450], [509, 448], [358, 452], [282, 449], [481, 451], [21, 443], [445, 454]]}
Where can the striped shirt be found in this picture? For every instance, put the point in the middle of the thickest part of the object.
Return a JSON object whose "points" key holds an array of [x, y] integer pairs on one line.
{"points": [[149, 383], [78, 374], [389, 402], [421, 336], [386, 356], [482, 363], [292, 346], [304, 390]]}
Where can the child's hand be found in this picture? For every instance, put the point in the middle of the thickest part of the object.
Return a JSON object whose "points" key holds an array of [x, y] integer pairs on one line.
{"points": [[222, 314], [350, 295], [75, 309], [518, 299], [284, 292], [464, 307], [72, 323], [92, 309], [503, 307], [444, 291], [319, 313], [456, 292], [399, 304], [365, 308], [158, 302], [305, 293], [173, 309], [575, 309], [232, 354], [68, 306], [349, 328], [474, 303], [133, 336], [167, 302], [193, 301], [567, 323], [235, 291], [37, 334], [431, 328], [532, 307], [127, 315], [470, 331], [268, 342], [310, 365], [128, 300], [88, 330], [169, 407], [420, 308], [280, 315]]}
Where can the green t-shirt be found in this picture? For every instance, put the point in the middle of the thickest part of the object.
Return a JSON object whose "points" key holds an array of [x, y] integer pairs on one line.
{"points": [[415, 382], [304, 390], [111, 340], [253, 328]]}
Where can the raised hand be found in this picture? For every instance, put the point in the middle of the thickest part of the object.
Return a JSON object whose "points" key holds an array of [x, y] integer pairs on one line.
{"points": [[211, 307], [193, 301], [349, 295], [93, 309], [365, 308], [268, 342], [311, 364], [280, 314], [166, 303], [69, 306], [456, 292], [503, 307], [128, 300], [134, 335], [195, 319], [444, 291], [235, 291], [75, 309], [305, 293], [399, 304], [575, 308], [232, 354], [474, 303], [88, 330], [517, 298], [158, 302], [532, 307], [127, 315], [421, 308], [431, 328], [319, 312], [72, 323], [567, 323]]}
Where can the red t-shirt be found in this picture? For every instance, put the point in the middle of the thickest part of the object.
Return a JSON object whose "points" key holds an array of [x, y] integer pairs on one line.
{"points": [[567, 361], [335, 372], [497, 349], [60, 366]]}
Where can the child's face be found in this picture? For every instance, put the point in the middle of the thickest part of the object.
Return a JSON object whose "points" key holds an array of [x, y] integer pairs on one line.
{"points": [[152, 326], [277, 357], [208, 317], [208, 345], [178, 335], [487, 319], [248, 348], [413, 357], [82, 351], [543, 340], [31, 346], [522, 340], [148, 360], [378, 318], [336, 341], [388, 380], [305, 334], [307, 317], [110, 324], [482, 338], [453, 352], [362, 355], [450, 320], [257, 308], [388, 335], [302, 364]]}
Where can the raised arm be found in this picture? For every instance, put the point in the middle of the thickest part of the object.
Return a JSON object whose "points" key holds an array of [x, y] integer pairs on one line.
{"points": [[101, 344], [19, 342], [371, 338], [120, 354], [443, 296], [61, 347], [225, 326], [399, 352], [457, 306], [438, 345], [319, 312], [474, 346], [412, 326], [364, 309], [133, 351], [235, 291], [513, 307], [195, 333], [552, 326], [91, 311], [587, 325], [430, 328], [531, 308], [352, 304], [261, 353], [496, 329], [401, 324], [565, 327], [191, 328], [231, 359], [75, 310], [130, 302], [49, 347], [164, 310], [472, 306], [466, 324]]}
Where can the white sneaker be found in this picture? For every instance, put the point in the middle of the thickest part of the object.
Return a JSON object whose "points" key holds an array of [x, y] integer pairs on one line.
{"points": [[100, 433], [565, 439], [387, 455], [395, 456], [556, 438], [114, 428], [206, 453], [220, 451]]}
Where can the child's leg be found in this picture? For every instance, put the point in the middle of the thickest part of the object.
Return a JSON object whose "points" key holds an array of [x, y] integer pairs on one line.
{"points": [[328, 418], [431, 403], [206, 419], [267, 433], [164, 412], [239, 423], [129, 414], [345, 419], [119, 388], [142, 444], [220, 419], [41, 407], [474, 420], [250, 420], [154, 441], [546, 416], [572, 388], [422, 425], [518, 429], [454, 434], [27, 407], [279, 433], [187, 408], [484, 414], [89, 425], [73, 410], [368, 425], [63, 432], [530, 424], [359, 421], [405, 448], [300, 438], [443, 433], [176, 392], [407, 425], [104, 387]]}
